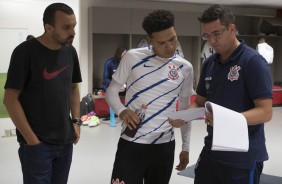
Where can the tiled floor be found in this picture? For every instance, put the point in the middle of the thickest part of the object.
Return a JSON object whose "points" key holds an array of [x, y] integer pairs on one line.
{"points": [[94, 155]]}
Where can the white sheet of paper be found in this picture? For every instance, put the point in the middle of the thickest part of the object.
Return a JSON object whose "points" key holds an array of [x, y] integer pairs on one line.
{"points": [[230, 129], [187, 115]]}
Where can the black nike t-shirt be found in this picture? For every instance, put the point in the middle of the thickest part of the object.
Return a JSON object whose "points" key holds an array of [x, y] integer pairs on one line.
{"points": [[44, 78]]}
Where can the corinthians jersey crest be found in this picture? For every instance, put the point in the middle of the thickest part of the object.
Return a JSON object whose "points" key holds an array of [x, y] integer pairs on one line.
{"points": [[173, 72], [233, 73]]}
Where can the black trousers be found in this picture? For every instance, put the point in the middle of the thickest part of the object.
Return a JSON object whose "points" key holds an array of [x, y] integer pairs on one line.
{"points": [[143, 163], [208, 171]]}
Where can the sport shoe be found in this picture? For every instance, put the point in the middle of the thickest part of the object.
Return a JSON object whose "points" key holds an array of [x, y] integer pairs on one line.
{"points": [[94, 121]]}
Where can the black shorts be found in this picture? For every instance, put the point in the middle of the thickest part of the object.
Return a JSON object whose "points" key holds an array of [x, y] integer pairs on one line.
{"points": [[135, 163], [208, 171]]}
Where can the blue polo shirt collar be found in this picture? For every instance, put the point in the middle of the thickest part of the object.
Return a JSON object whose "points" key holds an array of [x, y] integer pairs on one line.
{"points": [[233, 56]]}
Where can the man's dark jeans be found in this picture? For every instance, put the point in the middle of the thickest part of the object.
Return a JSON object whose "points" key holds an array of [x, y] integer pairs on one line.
{"points": [[45, 163]]}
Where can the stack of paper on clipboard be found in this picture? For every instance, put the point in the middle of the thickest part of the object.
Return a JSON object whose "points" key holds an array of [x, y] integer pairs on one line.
{"points": [[230, 129]]}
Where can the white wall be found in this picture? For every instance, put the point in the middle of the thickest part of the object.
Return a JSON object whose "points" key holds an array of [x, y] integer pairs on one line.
{"points": [[29, 13], [86, 64], [9, 38]]}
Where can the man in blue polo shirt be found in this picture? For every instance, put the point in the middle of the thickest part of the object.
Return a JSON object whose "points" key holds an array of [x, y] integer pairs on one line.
{"points": [[238, 78]]}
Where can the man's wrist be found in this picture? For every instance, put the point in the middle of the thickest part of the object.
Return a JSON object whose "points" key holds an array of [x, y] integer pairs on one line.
{"points": [[77, 121]]}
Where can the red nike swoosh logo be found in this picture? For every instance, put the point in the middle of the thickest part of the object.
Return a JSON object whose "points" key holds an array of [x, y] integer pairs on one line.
{"points": [[48, 76]]}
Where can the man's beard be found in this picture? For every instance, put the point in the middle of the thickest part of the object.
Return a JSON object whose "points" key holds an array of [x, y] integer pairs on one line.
{"points": [[68, 42]]}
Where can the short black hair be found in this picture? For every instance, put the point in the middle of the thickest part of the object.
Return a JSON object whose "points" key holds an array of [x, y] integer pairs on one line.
{"points": [[118, 53], [261, 39], [49, 13], [217, 12], [158, 20]]}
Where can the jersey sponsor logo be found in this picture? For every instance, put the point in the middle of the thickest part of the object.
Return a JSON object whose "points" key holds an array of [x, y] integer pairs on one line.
{"points": [[147, 65], [49, 76], [208, 78], [233, 73], [173, 72]]}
